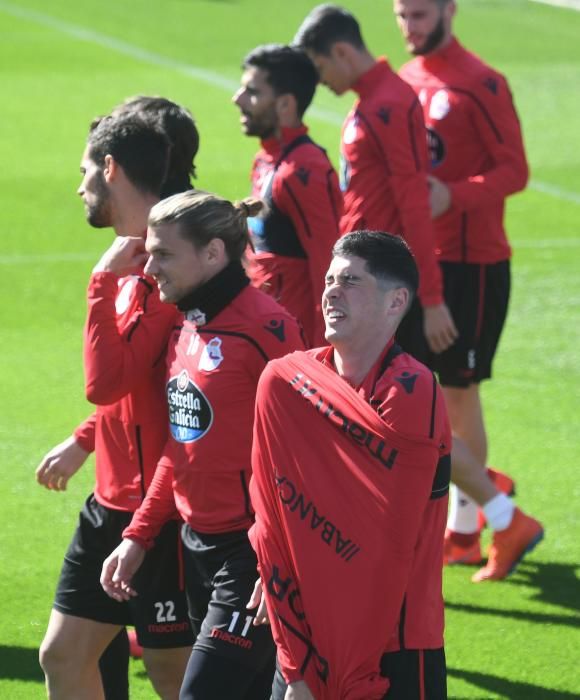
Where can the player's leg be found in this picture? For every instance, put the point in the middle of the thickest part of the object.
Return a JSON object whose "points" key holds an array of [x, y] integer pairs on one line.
{"points": [[231, 656], [478, 298], [84, 619], [166, 668], [114, 668], [160, 615], [70, 653]]}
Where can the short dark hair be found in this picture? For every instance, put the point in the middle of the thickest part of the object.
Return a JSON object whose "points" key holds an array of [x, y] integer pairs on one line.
{"points": [[387, 257], [139, 148], [289, 70], [178, 125], [324, 26]]}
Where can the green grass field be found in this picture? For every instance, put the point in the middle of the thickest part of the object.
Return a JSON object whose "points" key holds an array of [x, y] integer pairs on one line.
{"points": [[64, 62]]}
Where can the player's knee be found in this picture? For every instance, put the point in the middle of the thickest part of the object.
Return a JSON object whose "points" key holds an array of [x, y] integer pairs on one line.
{"points": [[166, 671], [53, 656]]}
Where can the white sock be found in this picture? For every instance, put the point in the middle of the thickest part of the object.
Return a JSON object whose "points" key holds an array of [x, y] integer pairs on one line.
{"points": [[499, 511], [462, 512]]}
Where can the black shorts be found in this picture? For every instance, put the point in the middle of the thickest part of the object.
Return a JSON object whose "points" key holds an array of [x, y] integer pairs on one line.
{"points": [[220, 573], [477, 297], [414, 674], [158, 613]]}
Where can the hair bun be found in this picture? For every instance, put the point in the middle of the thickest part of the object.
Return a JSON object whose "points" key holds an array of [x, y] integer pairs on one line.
{"points": [[249, 207]]}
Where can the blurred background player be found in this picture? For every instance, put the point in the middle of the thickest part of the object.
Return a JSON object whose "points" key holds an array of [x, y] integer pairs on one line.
{"points": [[293, 237], [124, 166], [383, 152], [228, 332], [477, 159]]}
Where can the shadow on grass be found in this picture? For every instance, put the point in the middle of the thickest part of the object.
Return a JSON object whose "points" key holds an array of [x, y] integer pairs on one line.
{"points": [[514, 690], [20, 664], [555, 584]]}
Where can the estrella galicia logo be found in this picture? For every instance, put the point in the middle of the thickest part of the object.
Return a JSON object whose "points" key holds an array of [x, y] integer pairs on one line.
{"points": [[436, 147], [190, 413]]}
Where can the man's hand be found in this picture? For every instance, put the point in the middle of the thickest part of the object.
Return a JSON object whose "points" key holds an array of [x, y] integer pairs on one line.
{"points": [[438, 327], [126, 254], [439, 196], [60, 464], [119, 568], [257, 600], [298, 691]]}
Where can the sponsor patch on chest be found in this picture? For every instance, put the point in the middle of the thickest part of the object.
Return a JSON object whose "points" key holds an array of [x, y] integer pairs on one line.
{"points": [[190, 413]]}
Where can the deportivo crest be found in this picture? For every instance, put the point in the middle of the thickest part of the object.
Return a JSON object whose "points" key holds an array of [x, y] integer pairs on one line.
{"points": [[190, 413], [211, 356], [196, 316], [440, 105]]}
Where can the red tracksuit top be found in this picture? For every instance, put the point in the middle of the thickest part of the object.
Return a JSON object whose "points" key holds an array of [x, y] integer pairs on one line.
{"points": [[476, 148], [384, 166], [212, 375], [125, 337], [293, 239], [421, 623]]}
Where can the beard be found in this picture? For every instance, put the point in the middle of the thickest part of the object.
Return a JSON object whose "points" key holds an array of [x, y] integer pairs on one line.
{"points": [[99, 213], [263, 126], [432, 41]]}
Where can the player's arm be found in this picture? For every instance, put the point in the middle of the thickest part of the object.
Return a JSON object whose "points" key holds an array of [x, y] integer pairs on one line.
{"points": [[157, 508], [115, 362], [404, 150], [65, 459], [419, 420], [314, 205], [497, 124]]}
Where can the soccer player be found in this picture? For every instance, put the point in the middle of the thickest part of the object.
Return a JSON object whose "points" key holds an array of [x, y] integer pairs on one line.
{"points": [[123, 168], [383, 152], [216, 354], [477, 160], [349, 526], [294, 235]]}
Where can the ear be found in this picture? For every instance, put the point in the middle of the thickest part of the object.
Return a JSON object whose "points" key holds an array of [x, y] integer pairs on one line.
{"points": [[399, 300], [450, 10], [286, 109], [215, 251], [110, 168]]}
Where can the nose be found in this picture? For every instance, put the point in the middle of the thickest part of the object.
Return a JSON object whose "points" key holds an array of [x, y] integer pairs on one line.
{"points": [[150, 266], [236, 97]]}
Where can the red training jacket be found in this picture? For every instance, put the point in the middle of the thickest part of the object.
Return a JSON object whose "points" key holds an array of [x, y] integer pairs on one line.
{"points": [[213, 371], [476, 148], [344, 513], [125, 338], [293, 238], [384, 168]]}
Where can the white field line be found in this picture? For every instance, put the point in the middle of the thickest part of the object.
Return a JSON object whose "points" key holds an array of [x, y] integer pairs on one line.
{"points": [[57, 258], [201, 74], [568, 4]]}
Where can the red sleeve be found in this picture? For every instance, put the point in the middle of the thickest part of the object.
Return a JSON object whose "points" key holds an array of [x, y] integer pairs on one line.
{"points": [[310, 195], [116, 360], [496, 121], [84, 434], [405, 151], [157, 508]]}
